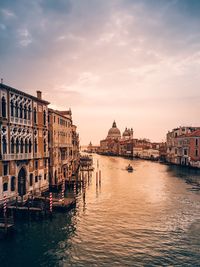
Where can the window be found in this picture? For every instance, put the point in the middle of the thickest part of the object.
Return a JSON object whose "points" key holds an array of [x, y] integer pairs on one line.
{"points": [[31, 179], [12, 108], [25, 112], [54, 119], [12, 146], [4, 145], [20, 111], [17, 145], [30, 146], [29, 113], [45, 176], [22, 146], [36, 164], [5, 169], [3, 106], [35, 145], [16, 110], [12, 186], [5, 187], [196, 153], [35, 115], [58, 120], [45, 146], [26, 146], [45, 163], [185, 152], [36, 179], [44, 117], [196, 142]]}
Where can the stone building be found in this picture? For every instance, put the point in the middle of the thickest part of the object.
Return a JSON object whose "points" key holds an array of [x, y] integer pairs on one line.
{"points": [[126, 143], [110, 145], [75, 150], [92, 148], [63, 147], [24, 143]]}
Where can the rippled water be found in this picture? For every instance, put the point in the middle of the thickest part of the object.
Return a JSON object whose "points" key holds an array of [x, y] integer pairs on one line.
{"points": [[150, 217]]}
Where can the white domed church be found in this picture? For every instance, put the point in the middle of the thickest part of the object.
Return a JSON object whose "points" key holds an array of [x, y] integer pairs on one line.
{"points": [[114, 143], [114, 132]]}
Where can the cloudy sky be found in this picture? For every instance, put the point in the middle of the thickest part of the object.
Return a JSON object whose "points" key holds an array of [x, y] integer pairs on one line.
{"points": [[135, 61]]}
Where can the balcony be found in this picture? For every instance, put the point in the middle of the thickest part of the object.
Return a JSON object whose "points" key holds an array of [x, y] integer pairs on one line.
{"points": [[37, 155], [17, 156], [20, 121], [46, 154]]}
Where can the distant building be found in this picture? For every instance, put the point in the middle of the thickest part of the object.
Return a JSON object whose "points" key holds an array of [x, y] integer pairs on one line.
{"points": [[180, 145], [24, 143], [126, 143], [114, 144], [110, 145], [92, 149]]}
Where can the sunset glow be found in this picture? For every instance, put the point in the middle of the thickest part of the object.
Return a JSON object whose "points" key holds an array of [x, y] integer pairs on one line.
{"points": [[137, 62]]}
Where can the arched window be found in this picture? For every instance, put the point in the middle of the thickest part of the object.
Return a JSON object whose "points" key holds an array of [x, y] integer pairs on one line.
{"points": [[17, 145], [29, 113], [12, 108], [12, 185], [3, 106], [31, 179], [35, 115], [16, 110], [26, 146], [4, 145], [44, 117], [25, 112], [35, 145], [5, 187], [21, 111], [22, 146], [30, 146], [12, 144]]}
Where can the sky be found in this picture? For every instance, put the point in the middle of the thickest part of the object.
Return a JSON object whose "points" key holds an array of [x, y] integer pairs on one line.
{"points": [[133, 61]]}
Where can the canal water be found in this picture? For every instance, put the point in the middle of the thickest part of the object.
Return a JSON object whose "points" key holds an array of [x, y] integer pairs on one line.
{"points": [[150, 217]]}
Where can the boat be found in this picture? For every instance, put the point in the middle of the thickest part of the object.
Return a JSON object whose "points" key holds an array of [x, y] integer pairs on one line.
{"points": [[129, 168]]}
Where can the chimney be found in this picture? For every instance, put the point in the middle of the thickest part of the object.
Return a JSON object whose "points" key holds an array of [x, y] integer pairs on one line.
{"points": [[39, 94], [1, 80]]}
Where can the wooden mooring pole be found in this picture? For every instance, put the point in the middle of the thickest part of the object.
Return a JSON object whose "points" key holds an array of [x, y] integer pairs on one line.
{"points": [[96, 178], [99, 177]]}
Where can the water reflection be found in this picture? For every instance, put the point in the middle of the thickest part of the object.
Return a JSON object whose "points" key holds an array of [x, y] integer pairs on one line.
{"points": [[144, 218]]}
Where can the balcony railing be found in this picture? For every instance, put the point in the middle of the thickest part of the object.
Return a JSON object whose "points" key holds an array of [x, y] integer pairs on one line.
{"points": [[17, 156], [46, 154], [20, 121]]}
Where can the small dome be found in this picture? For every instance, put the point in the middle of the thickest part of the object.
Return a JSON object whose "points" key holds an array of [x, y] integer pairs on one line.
{"points": [[126, 132], [114, 132]]}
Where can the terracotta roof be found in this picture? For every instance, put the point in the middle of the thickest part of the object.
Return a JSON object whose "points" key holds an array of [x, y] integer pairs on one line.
{"points": [[194, 134]]}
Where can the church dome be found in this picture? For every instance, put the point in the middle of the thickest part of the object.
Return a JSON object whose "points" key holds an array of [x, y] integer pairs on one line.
{"points": [[114, 132], [126, 132]]}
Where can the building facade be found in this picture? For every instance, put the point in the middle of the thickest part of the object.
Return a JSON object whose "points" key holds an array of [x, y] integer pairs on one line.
{"points": [[178, 145], [24, 143], [63, 147]]}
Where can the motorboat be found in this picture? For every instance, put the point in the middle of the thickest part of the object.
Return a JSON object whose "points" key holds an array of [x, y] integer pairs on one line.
{"points": [[129, 168]]}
